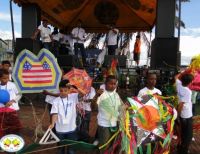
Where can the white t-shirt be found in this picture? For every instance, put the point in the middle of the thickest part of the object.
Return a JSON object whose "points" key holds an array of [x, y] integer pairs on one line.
{"points": [[14, 94], [65, 108], [112, 37], [108, 109], [146, 91], [185, 95], [80, 33], [57, 37], [86, 105], [61, 38], [68, 41], [45, 33], [49, 99], [178, 87]]}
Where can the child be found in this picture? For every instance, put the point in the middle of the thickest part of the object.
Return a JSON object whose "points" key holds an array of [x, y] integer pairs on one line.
{"points": [[10, 120], [64, 114], [50, 96], [6, 66], [150, 87], [185, 113], [85, 118], [108, 103]]}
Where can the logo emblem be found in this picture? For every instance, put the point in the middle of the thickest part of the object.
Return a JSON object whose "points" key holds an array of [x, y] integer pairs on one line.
{"points": [[11, 143]]}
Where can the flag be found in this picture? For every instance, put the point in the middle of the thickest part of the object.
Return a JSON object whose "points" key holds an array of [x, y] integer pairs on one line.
{"points": [[36, 73]]}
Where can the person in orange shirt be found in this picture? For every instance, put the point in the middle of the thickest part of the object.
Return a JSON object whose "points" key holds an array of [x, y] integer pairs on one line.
{"points": [[137, 50]]}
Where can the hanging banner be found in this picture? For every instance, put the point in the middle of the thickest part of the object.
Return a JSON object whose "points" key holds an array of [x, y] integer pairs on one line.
{"points": [[33, 74]]}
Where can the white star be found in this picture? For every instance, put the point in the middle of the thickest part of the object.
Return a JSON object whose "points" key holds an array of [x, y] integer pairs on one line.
{"points": [[152, 137]]}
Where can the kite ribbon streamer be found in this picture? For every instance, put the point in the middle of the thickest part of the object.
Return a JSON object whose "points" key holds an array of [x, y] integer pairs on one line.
{"points": [[108, 142], [127, 125], [149, 148]]}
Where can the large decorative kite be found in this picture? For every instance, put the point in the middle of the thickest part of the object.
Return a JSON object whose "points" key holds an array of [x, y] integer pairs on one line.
{"points": [[144, 127], [34, 74], [80, 79], [154, 121]]}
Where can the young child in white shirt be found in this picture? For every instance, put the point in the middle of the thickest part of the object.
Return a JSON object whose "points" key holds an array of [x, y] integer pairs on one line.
{"points": [[150, 88], [64, 114], [9, 120], [85, 118], [185, 113], [108, 103]]}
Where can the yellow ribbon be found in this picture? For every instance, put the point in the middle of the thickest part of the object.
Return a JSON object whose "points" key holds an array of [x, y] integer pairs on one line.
{"points": [[127, 125], [104, 145]]}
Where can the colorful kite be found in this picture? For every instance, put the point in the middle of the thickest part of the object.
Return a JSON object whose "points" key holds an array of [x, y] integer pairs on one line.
{"points": [[80, 79], [34, 74], [195, 65], [143, 124]]}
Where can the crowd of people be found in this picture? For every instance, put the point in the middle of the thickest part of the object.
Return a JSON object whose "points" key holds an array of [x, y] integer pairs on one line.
{"points": [[62, 42], [65, 108]]}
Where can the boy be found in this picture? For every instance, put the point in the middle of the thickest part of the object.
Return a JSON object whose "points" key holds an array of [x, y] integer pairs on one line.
{"points": [[85, 118], [150, 87], [185, 113], [108, 103], [11, 123], [64, 114], [6, 66]]}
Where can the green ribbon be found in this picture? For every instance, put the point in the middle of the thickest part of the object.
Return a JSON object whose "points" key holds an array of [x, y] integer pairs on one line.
{"points": [[76, 145], [167, 139], [149, 148], [140, 149]]}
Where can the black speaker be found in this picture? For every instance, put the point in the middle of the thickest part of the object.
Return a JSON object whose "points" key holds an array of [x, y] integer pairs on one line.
{"points": [[164, 53], [31, 19], [27, 43], [121, 60], [68, 61]]}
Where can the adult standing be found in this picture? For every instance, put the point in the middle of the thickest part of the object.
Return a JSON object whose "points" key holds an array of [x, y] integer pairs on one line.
{"points": [[137, 49], [79, 36], [56, 37], [45, 34], [112, 40]]}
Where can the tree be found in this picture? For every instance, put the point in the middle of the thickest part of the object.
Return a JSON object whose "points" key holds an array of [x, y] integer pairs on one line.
{"points": [[178, 18]]}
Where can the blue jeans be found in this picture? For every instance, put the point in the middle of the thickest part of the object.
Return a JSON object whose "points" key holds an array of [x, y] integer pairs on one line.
{"points": [[70, 136]]}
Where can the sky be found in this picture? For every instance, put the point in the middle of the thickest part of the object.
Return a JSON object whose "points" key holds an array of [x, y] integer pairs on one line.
{"points": [[190, 36]]}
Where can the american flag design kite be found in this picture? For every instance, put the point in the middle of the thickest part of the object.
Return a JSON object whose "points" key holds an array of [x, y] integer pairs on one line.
{"points": [[34, 74]]}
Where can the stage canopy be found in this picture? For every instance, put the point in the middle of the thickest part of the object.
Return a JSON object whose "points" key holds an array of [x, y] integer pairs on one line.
{"points": [[128, 15]]}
